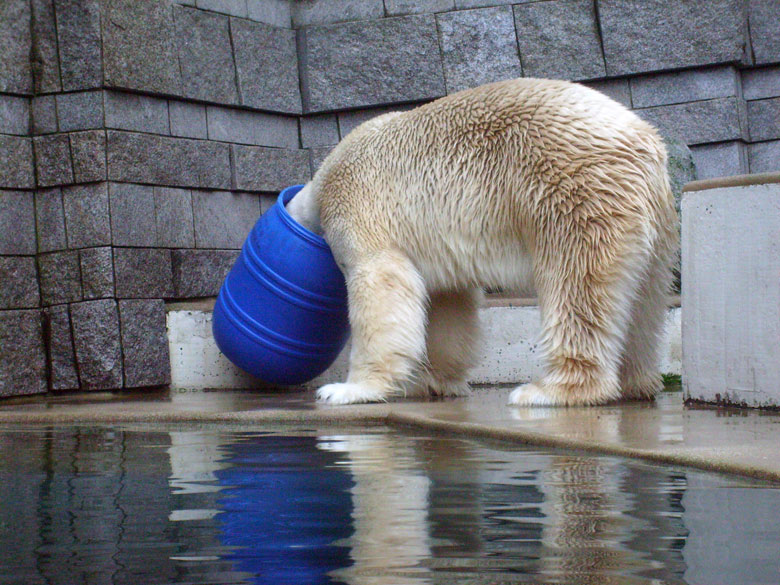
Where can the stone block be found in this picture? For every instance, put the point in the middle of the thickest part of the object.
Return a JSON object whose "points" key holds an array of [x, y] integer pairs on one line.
{"points": [[764, 119], [764, 157], [78, 34], [132, 215], [60, 277], [17, 223], [311, 12], [187, 120], [720, 160], [684, 86], [15, 47], [205, 55], [50, 220], [231, 7], [20, 282], [559, 39], [44, 60], [62, 356], [765, 30], [16, 163], [200, 273], [143, 273], [166, 161], [139, 49], [128, 111], [245, 127], [348, 121], [14, 115], [257, 168], [369, 63], [222, 218], [273, 12], [97, 273], [617, 89], [53, 162], [640, 36], [267, 66], [87, 215], [317, 155], [404, 7], [96, 338], [22, 353], [80, 111], [44, 114], [478, 47], [716, 120], [320, 130], [146, 361], [88, 149], [761, 83], [173, 213]]}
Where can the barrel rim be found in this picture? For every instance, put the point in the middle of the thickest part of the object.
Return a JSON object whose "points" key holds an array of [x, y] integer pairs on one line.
{"points": [[281, 202]]}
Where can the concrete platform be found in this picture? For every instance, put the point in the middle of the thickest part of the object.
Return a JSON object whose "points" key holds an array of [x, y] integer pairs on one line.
{"points": [[722, 440]]}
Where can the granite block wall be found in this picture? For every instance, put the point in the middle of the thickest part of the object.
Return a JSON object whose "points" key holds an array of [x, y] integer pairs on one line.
{"points": [[139, 141]]}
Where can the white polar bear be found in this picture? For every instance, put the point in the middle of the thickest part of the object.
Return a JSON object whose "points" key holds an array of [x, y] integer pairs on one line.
{"points": [[517, 183]]}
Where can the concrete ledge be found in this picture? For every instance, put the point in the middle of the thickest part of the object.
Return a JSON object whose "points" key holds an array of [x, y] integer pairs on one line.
{"points": [[733, 181]]}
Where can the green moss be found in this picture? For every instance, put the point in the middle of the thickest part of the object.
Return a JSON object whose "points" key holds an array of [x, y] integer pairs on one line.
{"points": [[672, 382]]}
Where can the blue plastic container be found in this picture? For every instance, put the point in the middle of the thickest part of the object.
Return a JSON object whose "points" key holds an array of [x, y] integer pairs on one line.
{"points": [[281, 314]]}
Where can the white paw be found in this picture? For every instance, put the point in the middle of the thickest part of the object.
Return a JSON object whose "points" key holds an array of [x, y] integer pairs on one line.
{"points": [[530, 395], [349, 394]]}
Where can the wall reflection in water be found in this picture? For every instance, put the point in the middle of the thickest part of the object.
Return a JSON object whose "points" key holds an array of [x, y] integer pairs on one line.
{"points": [[379, 507]]}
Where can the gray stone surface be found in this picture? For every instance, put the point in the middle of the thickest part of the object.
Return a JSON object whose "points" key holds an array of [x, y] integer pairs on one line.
{"points": [[128, 111], [88, 149], [14, 115], [44, 60], [309, 12], [145, 354], [273, 12], [15, 46], [764, 119], [761, 83], [97, 272], [97, 342], [22, 353], [50, 220], [721, 159], [317, 155], [684, 86], [132, 215], [143, 273], [80, 111], [618, 89], [52, 160], [222, 218], [257, 168], [138, 46], [681, 164], [20, 282], [398, 60], [701, 122], [483, 3], [16, 162], [320, 130], [231, 7], [173, 212], [62, 356], [78, 33], [188, 120], [478, 46], [765, 30], [267, 66], [44, 114], [348, 121], [764, 157], [86, 215], [199, 273], [245, 127], [165, 161], [640, 36], [559, 39], [205, 55], [17, 223], [403, 7], [60, 277]]}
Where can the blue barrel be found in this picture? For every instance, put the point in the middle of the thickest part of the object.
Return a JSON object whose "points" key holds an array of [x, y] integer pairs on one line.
{"points": [[281, 314]]}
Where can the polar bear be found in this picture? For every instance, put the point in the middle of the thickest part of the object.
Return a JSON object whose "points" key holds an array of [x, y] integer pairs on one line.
{"points": [[521, 182]]}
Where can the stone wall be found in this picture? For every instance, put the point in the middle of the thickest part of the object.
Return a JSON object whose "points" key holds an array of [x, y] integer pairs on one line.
{"points": [[139, 141]]}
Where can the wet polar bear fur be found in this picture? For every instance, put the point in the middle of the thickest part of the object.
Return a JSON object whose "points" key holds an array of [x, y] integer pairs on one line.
{"points": [[520, 183]]}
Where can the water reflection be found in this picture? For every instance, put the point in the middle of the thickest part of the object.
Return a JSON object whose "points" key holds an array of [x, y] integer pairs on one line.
{"points": [[199, 506]]}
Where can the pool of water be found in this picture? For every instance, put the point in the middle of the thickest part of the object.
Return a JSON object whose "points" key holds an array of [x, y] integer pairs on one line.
{"points": [[213, 506]]}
